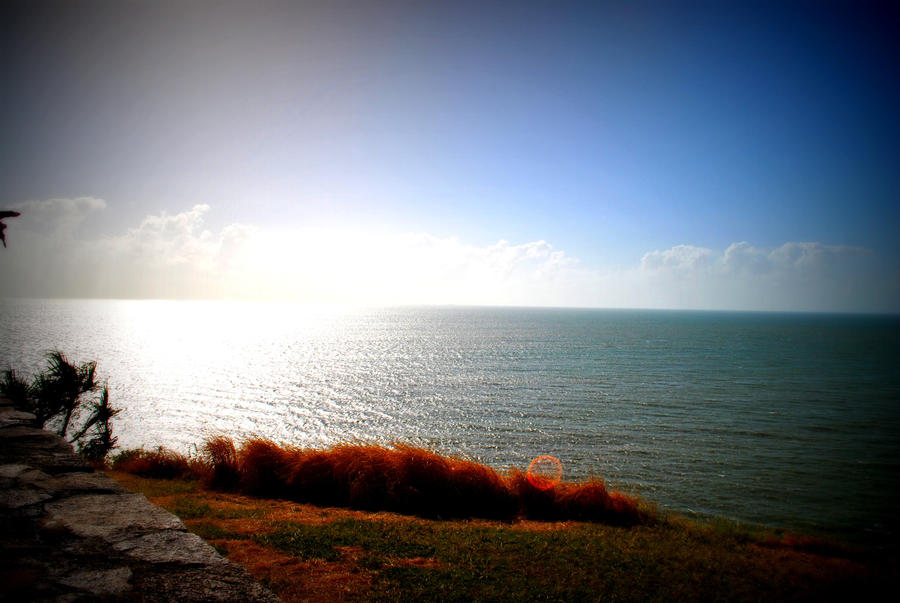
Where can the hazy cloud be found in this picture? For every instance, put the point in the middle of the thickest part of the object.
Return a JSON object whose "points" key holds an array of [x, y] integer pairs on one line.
{"points": [[177, 256], [57, 216], [169, 240], [794, 276], [743, 257], [678, 258]]}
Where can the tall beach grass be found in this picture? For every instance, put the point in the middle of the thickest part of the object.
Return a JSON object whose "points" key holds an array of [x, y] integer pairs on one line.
{"points": [[399, 478]]}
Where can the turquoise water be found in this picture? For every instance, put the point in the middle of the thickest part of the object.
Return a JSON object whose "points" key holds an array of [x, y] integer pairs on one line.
{"points": [[789, 420]]}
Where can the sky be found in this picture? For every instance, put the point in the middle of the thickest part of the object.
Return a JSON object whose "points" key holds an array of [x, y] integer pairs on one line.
{"points": [[604, 154]]}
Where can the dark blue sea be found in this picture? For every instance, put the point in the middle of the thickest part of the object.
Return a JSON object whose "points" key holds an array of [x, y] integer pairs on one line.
{"points": [[785, 420]]}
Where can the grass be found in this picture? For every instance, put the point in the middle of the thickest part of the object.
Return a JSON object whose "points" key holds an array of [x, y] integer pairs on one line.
{"points": [[398, 478], [306, 552], [159, 463]]}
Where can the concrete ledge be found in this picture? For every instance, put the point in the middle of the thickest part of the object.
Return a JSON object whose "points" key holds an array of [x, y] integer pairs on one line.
{"points": [[70, 534]]}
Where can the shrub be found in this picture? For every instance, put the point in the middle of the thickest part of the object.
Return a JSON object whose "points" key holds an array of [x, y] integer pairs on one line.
{"points": [[263, 467], [399, 478], [311, 477], [591, 501], [534, 502], [56, 398], [160, 463], [224, 473], [405, 479]]}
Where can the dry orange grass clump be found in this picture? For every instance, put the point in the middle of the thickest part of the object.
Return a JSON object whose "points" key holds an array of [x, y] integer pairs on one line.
{"points": [[159, 463], [403, 479]]}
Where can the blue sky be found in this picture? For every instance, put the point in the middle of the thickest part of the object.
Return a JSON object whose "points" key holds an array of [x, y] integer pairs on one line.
{"points": [[586, 136]]}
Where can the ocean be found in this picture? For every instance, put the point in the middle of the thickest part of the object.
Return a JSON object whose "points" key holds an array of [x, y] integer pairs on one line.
{"points": [[784, 420]]}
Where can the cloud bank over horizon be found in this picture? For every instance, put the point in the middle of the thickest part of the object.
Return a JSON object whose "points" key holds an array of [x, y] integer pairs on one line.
{"points": [[175, 256]]}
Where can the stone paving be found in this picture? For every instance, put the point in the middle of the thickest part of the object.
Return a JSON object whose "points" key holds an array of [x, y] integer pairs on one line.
{"points": [[68, 533]]}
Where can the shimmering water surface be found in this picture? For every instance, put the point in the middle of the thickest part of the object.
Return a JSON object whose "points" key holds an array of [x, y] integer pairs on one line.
{"points": [[788, 420]]}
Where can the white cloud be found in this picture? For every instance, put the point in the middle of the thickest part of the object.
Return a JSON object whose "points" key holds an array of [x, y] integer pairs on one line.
{"points": [[168, 240], [744, 258], [678, 258], [794, 276], [814, 256], [177, 256]]}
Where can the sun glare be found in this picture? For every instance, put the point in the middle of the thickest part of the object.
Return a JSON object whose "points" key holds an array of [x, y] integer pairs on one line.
{"points": [[545, 472]]}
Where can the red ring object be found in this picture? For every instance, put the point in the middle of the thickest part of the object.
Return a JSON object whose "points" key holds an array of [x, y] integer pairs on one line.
{"points": [[543, 477]]}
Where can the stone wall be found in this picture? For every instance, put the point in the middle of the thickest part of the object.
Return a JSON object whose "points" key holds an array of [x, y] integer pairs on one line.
{"points": [[68, 533]]}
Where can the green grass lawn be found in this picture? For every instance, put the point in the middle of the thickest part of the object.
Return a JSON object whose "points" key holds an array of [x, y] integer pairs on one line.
{"points": [[305, 552]]}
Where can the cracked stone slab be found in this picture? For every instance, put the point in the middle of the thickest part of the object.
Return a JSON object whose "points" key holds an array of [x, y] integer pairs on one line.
{"points": [[171, 546], [70, 534], [13, 470], [21, 435], [10, 417], [44, 450], [31, 475], [54, 462], [74, 482], [106, 582], [123, 516], [186, 584], [15, 498]]}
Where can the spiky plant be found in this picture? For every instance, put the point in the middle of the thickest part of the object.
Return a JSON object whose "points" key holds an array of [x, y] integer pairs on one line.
{"points": [[97, 426], [15, 388], [55, 397]]}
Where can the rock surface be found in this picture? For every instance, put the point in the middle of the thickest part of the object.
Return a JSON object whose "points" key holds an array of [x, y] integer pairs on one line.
{"points": [[70, 534]]}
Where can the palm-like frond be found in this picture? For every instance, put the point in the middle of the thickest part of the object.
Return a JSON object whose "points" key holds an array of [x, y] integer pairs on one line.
{"points": [[15, 388], [55, 397], [62, 384], [101, 413]]}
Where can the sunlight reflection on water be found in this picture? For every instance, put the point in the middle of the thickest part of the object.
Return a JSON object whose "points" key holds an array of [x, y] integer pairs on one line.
{"points": [[779, 419]]}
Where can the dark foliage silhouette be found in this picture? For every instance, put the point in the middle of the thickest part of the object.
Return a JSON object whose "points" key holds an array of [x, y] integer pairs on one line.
{"points": [[6, 214], [60, 400]]}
